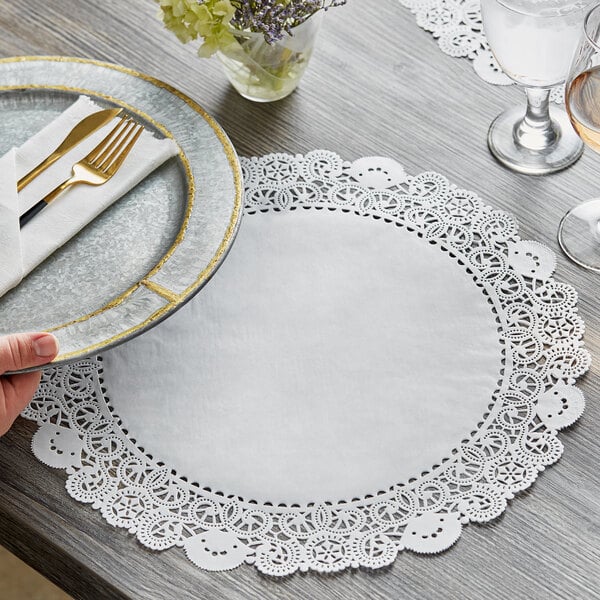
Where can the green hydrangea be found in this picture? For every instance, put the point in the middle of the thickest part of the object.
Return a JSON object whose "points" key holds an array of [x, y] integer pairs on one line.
{"points": [[213, 20], [188, 20]]}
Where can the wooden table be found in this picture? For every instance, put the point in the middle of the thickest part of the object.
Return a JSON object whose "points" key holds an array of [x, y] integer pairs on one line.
{"points": [[377, 85]]}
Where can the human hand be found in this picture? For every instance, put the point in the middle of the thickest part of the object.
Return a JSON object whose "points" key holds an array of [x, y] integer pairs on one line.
{"points": [[21, 351]]}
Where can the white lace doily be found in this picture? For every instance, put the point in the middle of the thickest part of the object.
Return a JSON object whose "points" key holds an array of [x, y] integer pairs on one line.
{"points": [[458, 29], [521, 322]]}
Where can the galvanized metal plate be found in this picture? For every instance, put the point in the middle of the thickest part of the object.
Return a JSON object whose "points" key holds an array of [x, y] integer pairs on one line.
{"points": [[156, 247]]}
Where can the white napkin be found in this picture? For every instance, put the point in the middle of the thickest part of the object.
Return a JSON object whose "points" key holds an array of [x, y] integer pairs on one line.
{"points": [[75, 208], [11, 263]]}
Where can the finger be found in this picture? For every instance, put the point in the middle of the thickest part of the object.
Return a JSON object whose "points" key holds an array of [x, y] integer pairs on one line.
{"points": [[18, 392], [26, 350]]}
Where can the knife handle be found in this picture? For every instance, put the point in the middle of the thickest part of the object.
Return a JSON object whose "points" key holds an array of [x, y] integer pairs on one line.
{"points": [[26, 179]]}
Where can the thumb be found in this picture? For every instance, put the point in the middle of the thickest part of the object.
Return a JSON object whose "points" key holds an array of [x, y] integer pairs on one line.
{"points": [[26, 350]]}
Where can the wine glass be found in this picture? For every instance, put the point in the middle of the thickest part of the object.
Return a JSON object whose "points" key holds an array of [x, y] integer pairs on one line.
{"points": [[533, 41], [579, 229]]}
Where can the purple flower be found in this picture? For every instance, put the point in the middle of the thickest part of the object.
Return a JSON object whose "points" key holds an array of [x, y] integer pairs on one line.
{"points": [[275, 18]]}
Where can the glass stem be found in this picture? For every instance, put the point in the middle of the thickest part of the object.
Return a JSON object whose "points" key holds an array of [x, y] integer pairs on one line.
{"points": [[536, 131]]}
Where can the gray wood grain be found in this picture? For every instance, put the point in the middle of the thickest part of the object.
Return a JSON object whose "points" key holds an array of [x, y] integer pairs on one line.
{"points": [[377, 85]]}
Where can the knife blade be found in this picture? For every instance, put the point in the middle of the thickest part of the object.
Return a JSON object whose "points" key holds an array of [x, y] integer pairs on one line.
{"points": [[83, 129]]}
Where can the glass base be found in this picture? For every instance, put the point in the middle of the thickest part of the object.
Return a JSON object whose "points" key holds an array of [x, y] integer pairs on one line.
{"points": [[560, 155], [579, 234]]}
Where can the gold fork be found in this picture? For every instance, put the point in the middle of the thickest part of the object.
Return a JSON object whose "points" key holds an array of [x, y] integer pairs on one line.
{"points": [[98, 166]]}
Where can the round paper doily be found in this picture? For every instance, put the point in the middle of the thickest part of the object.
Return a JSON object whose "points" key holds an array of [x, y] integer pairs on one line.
{"points": [[380, 360]]}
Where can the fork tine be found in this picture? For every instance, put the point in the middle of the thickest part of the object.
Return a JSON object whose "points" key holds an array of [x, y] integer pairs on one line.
{"points": [[124, 148], [114, 145], [93, 155]]}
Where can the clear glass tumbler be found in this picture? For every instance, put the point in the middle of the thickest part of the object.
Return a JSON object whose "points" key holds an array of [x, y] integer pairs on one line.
{"points": [[534, 41], [265, 72]]}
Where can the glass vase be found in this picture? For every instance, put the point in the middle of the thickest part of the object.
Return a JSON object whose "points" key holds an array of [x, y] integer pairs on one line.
{"points": [[265, 72]]}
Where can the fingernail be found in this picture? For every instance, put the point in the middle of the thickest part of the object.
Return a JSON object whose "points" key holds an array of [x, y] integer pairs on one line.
{"points": [[45, 346]]}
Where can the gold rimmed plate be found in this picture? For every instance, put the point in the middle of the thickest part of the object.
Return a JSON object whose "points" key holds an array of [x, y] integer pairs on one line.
{"points": [[155, 247]]}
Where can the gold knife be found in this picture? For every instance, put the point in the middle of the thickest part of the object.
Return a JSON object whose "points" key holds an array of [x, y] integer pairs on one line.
{"points": [[83, 129]]}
